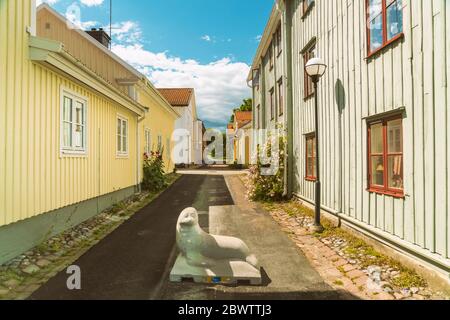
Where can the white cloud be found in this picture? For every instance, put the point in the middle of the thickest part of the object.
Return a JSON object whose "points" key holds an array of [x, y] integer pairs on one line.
{"points": [[87, 25], [91, 3], [51, 2], [258, 38], [126, 32], [220, 85], [88, 3], [206, 38]]}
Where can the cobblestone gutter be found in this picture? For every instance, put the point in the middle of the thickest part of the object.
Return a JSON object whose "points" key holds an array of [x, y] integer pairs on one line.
{"points": [[347, 262]]}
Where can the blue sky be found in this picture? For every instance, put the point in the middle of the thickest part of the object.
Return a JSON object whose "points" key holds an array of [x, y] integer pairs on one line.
{"points": [[204, 44]]}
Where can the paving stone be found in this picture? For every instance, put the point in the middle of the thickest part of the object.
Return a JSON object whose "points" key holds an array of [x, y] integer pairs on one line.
{"points": [[384, 296], [43, 263], [355, 274], [361, 281], [398, 296], [347, 282], [328, 253], [334, 258], [333, 272], [353, 289], [31, 269], [51, 258], [348, 268], [11, 284], [340, 263]]}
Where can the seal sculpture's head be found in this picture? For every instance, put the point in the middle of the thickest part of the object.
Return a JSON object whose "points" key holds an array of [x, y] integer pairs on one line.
{"points": [[188, 218]]}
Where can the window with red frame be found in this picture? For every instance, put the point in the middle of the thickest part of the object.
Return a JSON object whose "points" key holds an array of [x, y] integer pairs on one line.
{"points": [[280, 97], [311, 166], [307, 4], [385, 23], [308, 84], [386, 156]]}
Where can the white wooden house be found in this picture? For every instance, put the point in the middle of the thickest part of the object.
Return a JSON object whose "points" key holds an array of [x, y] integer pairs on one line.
{"points": [[384, 118], [183, 101]]}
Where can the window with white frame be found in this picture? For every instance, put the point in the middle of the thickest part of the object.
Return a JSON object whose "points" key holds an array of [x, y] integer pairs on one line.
{"points": [[148, 141], [122, 136], [73, 124]]}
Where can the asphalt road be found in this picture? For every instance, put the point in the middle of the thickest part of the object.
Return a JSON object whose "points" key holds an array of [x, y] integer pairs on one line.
{"points": [[132, 262]]}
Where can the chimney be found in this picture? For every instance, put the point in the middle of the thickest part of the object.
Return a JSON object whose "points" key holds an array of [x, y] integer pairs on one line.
{"points": [[101, 36]]}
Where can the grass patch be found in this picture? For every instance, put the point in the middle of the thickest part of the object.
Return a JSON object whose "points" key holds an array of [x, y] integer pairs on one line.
{"points": [[409, 279], [11, 274], [339, 283]]}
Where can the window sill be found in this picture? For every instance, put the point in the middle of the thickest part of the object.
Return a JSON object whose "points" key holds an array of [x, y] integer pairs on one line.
{"points": [[308, 10], [73, 154], [308, 97], [380, 50], [311, 179], [390, 193], [122, 156]]}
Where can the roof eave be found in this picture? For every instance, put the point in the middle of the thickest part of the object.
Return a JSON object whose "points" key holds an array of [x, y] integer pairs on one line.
{"points": [[93, 41], [52, 53], [274, 18]]}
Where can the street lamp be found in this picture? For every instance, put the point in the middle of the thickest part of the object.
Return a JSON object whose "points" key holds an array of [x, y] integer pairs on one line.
{"points": [[315, 68]]}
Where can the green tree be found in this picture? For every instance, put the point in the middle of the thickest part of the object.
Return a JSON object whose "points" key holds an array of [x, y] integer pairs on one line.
{"points": [[247, 105]]}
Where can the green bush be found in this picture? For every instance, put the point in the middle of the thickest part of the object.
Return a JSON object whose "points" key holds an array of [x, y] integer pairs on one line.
{"points": [[154, 175]]}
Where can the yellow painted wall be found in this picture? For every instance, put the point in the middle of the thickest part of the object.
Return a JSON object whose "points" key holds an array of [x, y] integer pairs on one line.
{"points": [[160, 122], [34, 178]]}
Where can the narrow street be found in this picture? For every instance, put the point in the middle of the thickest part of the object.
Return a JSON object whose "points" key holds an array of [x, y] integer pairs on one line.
{"points": [[134, 261]]}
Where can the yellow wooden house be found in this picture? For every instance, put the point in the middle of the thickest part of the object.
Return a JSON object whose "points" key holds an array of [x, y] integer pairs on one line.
{"points": [[73, 124]]}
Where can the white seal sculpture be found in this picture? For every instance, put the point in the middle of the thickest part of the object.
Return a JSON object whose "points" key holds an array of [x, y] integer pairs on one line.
{"points": [[204, 257], [202, 249]]}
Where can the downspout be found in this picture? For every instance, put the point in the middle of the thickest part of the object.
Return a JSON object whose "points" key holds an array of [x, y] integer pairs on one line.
{"points": [[138, 152], [263, 95], [289, 121], [252, 147]]}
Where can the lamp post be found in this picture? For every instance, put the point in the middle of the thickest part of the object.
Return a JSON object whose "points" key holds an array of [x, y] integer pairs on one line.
{"points": [[315, 68]]}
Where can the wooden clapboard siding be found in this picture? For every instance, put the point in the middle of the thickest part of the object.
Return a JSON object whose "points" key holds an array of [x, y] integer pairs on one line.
{"points": [[51, 27], [446, 35], [159, 121], [34, 177], [411, 73]]}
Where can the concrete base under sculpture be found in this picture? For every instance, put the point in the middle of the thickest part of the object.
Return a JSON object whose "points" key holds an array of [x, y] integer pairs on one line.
{"points": [[225, 272], [206, 258]]}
